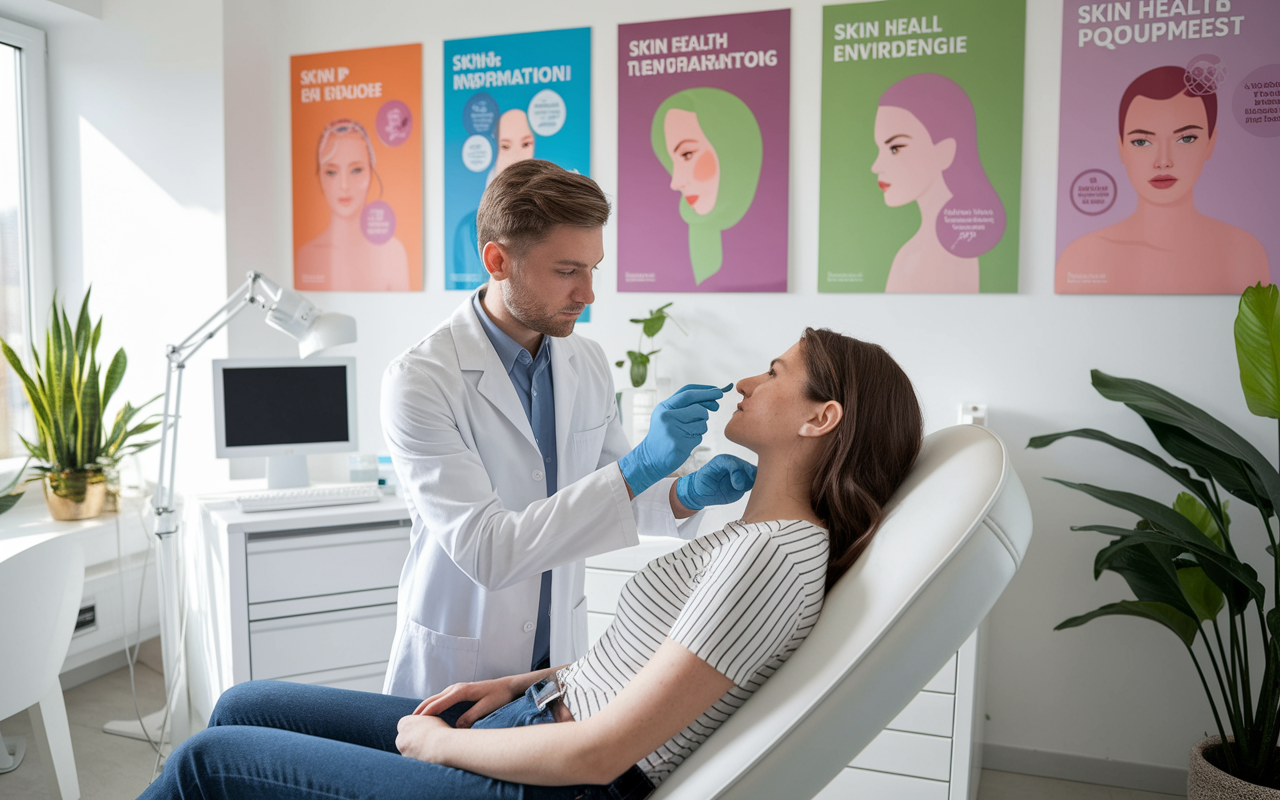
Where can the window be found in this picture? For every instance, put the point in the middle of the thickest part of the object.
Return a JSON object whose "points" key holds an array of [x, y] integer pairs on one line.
{"points": [[25, 268]]}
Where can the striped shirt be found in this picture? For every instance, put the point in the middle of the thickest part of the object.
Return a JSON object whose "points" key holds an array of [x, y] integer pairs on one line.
{"points": [[742, 599]]}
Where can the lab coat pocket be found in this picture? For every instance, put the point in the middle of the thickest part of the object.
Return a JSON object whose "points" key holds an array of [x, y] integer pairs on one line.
{"points": [[437, 658], [587, 447], [580, 636]]}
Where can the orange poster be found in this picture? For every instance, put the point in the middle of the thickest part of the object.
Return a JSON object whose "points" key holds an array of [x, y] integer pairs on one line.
{"points": [[357, 170]]}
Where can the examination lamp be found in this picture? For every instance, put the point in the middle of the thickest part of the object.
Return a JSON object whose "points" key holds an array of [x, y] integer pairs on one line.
{"points": [[287, 311]]}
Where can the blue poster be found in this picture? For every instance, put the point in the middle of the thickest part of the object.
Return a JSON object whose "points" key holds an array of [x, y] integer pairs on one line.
{"points": [[506, 99]]}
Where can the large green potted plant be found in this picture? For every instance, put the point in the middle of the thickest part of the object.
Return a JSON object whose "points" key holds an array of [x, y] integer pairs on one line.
{"points": [[1182, 565], [69, 393]]}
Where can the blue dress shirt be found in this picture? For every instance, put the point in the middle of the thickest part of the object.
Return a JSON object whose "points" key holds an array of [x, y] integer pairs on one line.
{"points": [[531, 377]]}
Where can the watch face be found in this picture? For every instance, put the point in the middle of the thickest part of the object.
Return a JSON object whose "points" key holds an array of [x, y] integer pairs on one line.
{"points": [[546, 690]]}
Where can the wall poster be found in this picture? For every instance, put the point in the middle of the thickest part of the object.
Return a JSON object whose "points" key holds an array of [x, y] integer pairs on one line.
{"points": [[357, 170], [703, 146], [1169, 146], [506, 99], [921, 146]]}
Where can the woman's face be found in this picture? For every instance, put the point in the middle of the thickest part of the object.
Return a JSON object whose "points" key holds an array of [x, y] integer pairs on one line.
{"points": [[515, 139], [909, 162], [1165, 145], [345, 174], [695, 168], [774, 405]]}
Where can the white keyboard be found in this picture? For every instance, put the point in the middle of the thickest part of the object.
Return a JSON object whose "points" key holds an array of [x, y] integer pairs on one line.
{"points": [[281, 499]]}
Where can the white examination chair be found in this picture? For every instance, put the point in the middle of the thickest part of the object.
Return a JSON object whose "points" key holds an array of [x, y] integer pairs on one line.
{"points": [[955, 533], [40, 588]]}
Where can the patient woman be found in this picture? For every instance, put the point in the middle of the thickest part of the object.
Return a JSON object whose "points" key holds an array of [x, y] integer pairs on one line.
{"points": [[836, 426]]}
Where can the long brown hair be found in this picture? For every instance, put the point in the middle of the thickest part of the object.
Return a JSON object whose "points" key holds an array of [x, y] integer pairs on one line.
{"points": [[873, 447]]}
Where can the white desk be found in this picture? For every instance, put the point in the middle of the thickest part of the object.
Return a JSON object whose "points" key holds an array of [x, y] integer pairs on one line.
{"points": [[306, 595]]}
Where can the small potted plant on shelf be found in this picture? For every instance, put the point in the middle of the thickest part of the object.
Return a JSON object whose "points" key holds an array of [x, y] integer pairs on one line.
{"points": [[69, 394], [1183, 567], [645, 398]]}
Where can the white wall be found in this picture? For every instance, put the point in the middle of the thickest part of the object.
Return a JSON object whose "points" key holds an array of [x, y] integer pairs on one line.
{"points": [[1116, 689], [136, 156]]}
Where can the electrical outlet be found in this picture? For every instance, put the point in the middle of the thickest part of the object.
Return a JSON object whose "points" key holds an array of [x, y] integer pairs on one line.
{"points": [[973, 414]]}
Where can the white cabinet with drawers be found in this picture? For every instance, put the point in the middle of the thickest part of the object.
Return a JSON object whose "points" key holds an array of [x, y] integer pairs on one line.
{"points": [[930, 751], [307, 595]]}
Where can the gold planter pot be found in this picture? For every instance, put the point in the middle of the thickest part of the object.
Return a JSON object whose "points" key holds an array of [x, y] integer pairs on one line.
{"points": [[74, 495]]}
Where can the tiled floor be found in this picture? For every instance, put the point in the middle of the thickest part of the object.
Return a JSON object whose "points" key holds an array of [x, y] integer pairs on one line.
{"points": [[115, 768]]}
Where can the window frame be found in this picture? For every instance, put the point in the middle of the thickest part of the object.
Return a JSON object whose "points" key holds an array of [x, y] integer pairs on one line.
{"points": [[36, 232]]}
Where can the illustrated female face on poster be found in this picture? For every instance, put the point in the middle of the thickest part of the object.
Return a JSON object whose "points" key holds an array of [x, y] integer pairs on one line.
{"points": [[515, 139], [709, 142], [909, 163], [1164, 145], [346, 169], [695, 168]]}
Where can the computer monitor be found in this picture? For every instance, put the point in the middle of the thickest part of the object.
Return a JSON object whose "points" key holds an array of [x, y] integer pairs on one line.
{"points": [[284, 409]]}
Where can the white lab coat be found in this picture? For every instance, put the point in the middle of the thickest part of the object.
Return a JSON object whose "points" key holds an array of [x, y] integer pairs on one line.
{"points": [[484, 529]]}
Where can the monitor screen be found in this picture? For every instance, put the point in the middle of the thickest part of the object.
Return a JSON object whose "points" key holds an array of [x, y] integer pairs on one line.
{"points": [[284, 406]]}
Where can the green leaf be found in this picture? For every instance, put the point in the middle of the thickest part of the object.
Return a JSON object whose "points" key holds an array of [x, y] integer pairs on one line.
{"points": [[8, 501], [639, 372], [619, 362], [1179, 474], [115, 374], [1231, 473], [1204, 597], [1257, 331], [1153, 403], [1182, 625], [1201, 517], [653, 325], [1148, 569]]}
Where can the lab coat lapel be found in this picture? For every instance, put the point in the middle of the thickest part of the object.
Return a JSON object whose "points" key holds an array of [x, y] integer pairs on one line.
{"points": [[564, 380], [476, 354]]}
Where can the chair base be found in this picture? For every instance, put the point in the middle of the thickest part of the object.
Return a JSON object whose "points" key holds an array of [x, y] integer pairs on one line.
{"points": [[11, 753]]}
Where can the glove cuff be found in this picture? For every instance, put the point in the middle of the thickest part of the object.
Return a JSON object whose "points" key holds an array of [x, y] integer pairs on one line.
{"points": [[684, 493], [635, 474]]}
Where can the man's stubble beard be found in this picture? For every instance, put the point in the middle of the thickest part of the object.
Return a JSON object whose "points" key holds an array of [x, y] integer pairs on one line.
{"points": [[522, 305]]}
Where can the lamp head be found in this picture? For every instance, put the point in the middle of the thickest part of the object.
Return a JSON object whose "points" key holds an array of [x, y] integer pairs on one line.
{"points": [[295, 315]]}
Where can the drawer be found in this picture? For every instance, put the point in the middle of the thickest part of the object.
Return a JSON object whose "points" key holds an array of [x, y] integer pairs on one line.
{"points": [[309, 565], [860, 784], [603, 589], [945, 680], [362, 678], [928, 712], [279, 648], [596, 626], [911, 754]]}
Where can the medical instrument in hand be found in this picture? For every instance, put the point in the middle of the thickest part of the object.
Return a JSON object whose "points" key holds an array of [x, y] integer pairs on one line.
{"points": [[676, 427]]}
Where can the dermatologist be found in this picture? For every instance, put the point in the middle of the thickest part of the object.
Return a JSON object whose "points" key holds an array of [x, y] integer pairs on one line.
{"points": [[504, 431]]}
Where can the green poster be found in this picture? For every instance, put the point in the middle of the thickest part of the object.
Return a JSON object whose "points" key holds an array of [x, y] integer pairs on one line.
{"points": [[921, 146]]}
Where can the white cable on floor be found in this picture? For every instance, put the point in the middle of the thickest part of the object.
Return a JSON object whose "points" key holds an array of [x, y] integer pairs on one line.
{"points": [[131, 658], [179, 662]]}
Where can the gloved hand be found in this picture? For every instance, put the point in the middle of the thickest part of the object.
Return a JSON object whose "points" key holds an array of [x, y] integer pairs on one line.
{"points": [[725, 479], [675, 428]]}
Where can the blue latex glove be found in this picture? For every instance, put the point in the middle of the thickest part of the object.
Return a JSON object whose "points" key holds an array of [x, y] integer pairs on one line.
{"points": [[725, 479], [675, 428]]}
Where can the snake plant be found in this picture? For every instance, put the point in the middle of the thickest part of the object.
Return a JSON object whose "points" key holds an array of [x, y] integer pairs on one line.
{"points": [[69, 392]]}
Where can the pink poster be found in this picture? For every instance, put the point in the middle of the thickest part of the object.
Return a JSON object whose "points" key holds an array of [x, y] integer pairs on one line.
{"points": [[703, 146], [1169, 146]]}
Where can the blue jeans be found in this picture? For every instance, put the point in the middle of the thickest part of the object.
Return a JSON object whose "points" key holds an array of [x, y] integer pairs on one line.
{"points": [[289, 741]]}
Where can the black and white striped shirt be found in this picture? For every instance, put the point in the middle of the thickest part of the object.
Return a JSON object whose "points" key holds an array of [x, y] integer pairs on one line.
{"points": [[742, 599]]}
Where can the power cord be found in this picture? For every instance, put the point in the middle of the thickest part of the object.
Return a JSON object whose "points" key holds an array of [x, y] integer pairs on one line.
{"points": [[132, 657]]}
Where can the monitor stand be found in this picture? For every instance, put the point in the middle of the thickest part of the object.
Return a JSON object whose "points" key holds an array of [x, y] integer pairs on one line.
{"points": [[287, 472]]}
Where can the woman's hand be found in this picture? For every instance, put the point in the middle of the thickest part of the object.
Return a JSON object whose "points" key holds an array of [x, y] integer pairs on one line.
{"points": [[419, 737], [488, 696]]}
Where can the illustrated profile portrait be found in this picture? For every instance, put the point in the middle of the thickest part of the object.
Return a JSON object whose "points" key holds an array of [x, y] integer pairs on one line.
{"points": [[709, 142], [345, 256], [926, 136], [1167, 131], [516, 143]]}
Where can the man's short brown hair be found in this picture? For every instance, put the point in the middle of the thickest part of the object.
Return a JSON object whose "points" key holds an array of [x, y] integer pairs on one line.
{"points": [[530, 198]]}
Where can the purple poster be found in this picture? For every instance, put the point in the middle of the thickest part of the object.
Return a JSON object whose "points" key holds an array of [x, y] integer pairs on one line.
{"points": [[1169, 146], [703, 146]]}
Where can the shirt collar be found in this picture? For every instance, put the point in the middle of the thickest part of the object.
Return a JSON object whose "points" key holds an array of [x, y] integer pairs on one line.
{"points": [[509, 349]]}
